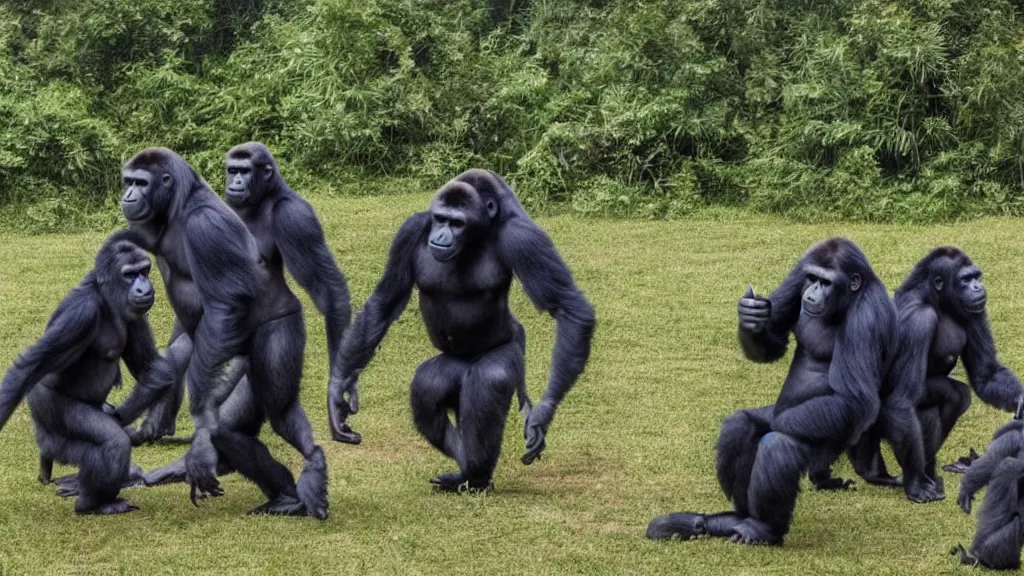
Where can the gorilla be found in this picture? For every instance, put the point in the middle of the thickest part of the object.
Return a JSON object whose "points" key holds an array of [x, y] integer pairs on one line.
{"points": [[289, 235], [238, 320], [844, 323], [462, 254], [69, 372], [1000, 533], [941, 311]]}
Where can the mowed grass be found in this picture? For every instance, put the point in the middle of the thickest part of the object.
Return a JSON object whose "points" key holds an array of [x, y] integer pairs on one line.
{"points": [[633, 440]]}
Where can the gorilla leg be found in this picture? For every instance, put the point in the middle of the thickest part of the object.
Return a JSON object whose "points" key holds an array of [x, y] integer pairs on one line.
{"points": [[737, 450], [161, 420], [72, 432], [276, 373], [774, 485], [484, 400], [433, 392], [951, 398], [252, 459], [1000, 535]]}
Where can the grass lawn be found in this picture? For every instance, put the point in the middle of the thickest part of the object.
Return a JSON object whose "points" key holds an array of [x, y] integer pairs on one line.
{"points": [[633, 440]]}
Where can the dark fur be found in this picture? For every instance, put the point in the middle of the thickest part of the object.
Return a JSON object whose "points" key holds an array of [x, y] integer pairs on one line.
{"points": [[762, 453], [69, 372], [229, 307], [1000, 534], [921, 402], [464, 304]]}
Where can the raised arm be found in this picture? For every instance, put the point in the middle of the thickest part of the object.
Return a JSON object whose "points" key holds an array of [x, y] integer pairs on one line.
{"points": [[545, 278], [765, 323], [68, 334], [994, 383], [382, 308], [153, 373], [301, 241]]}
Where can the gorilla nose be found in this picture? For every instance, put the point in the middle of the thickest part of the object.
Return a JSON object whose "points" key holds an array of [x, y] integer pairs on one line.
{"points": [[442, 239]]}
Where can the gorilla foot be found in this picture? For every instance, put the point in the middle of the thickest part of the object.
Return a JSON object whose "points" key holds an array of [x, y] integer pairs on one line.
{"points": [[883, 480], [456, 482], [119, 506], [283, 505], [677, 526], [834, 483], [753, 533], [312, 485], [345, 434], [962, 463], [965, 556], [67, 486], [923, 492]]}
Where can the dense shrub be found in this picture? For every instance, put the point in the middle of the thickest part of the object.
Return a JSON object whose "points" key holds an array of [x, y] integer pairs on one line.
{"points": [[860, 109]]}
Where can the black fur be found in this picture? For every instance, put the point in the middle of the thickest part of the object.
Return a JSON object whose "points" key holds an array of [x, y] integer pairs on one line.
{"points": [[69, 372], [462, 255], [239, 319], [921, 402], [830, 397]]}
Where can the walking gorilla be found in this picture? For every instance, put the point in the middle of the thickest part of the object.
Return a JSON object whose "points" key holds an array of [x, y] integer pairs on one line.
{"points": [[844, 325], [289, 235], [462, 254], [69, 372], [1000, 533], [229, 306], [941, 309]]}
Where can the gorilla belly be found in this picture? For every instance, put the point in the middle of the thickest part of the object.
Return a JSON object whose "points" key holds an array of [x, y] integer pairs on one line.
{"points": [[807, 379], [467, 324]]}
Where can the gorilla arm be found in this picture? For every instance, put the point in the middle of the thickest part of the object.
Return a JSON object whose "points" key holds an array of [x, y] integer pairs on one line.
{"points": [[300, 239], [994, 383], [765, 323], [531, 255], [382, 308], [228, 277], [1007, 442], [68, 334], [153, 373]]}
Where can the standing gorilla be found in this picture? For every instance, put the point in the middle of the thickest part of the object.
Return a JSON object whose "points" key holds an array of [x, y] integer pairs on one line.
{"points": [[941, 308], [77, 362], [229, 306], [844, 325], [1000, 533], [462, 255], [289, 235]]}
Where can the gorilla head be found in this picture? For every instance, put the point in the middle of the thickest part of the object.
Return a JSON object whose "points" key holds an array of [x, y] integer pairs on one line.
{"points": [[954, 282], [460, 217], [833, 273], [251, 174], [122, 274], [153, 179]]}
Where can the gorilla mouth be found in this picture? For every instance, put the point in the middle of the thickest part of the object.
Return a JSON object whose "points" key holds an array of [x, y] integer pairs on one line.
{"points": [[236, 196], [813, 310], [141, 306], [134, 213], [442, 253], [976, 306]]}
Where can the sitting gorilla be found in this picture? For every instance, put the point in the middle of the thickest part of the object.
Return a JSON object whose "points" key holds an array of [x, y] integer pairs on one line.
{"points": [[844, 325], [1000, 533], [462, 255], [941, 311], [69, 372]]}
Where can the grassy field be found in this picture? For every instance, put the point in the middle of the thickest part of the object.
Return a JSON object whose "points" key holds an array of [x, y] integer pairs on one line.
{"points": [[633, 440]]}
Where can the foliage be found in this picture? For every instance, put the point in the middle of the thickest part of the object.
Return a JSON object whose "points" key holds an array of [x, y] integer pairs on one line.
{"points": [[857, 109]]}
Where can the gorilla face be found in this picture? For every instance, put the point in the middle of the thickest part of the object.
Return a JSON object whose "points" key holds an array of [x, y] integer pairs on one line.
{"points": [[140, 188], [123, 274], [245, 180], [970, 291], [823, 290], [459, 216]]}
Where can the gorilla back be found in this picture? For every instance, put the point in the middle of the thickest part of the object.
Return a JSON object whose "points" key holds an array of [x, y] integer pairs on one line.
{"points": [[844, 324]]}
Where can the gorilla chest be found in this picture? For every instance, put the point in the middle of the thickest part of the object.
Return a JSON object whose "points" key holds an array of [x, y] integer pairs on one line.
{"points": [[816, 339], [947, 345], [458, 277], [261, 226]]}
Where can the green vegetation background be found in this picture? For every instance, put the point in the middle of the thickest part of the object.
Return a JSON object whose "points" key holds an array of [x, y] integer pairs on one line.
{"points": [[883, 110]]}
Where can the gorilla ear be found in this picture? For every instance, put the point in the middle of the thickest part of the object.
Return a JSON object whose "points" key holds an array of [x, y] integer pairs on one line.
{"points": [[939, 283], [855, 282], [492, 208], [268, 171], [167, 179]]}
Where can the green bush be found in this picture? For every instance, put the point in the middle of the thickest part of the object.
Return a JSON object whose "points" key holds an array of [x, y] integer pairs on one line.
{"points": [[907, 110]]}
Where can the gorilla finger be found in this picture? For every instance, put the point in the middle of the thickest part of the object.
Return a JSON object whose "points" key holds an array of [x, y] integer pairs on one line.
{"points": [[758, 303], [353, 399], [193, 494]]}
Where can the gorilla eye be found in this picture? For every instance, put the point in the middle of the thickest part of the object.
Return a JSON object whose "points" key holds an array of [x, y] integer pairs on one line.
{"points": [[825, 283], [458, 223], [128, 275], [440, 219], [812, 278]]}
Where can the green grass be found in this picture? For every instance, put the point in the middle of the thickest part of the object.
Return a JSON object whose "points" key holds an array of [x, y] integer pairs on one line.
{"points": [[633, 440]]}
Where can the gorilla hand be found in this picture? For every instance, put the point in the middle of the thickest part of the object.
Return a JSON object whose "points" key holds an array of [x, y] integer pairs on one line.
{"points": [[339, 408], [536, 426], [201, 467], [964, 500], [111, 410], [754, 311]]}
